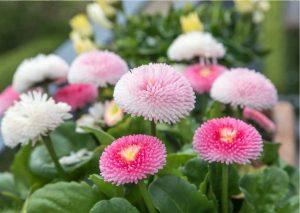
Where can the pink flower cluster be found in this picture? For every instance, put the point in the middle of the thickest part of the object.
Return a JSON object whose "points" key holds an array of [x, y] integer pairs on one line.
{"points": [[131, 158], [7, 98], [203, 76], [77, 95], [227, 140]]}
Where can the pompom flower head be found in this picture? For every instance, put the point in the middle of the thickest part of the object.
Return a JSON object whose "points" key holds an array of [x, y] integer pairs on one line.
{"points": [[7, 98], [112, 113], [36, 70], [202, 76], [99, 68], [32, 117], [195, 44], [77, 95], [244, 87], [155, 91], [131, 158], [227, 140]]}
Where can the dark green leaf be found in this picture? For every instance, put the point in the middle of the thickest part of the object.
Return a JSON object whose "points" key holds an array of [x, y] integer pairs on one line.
{"points": [[171, 194], [270, 153], [265, 189], [103, 137], [114, 205], [196, 170], [63, 197], [106, 188]]}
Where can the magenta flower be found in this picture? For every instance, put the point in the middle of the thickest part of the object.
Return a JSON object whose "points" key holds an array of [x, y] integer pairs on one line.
{"points": [[155, 91], [202, 77], [7, 99], [76, 95], [260, 119], [131, 158], [97, 67], [227, 140], [244, 87]]}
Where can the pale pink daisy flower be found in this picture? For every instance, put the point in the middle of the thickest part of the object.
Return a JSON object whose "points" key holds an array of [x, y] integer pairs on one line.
{"points": [[244, 87], [131, 158], [77, 95], [202, 76], [227, 140], [97, 67], [261, 119], [7, 99], [155, 91], [112, 113]]}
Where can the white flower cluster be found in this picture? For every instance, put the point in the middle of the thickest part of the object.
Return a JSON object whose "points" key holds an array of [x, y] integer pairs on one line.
{"points": [[35, 115], [195, 44], [38, 69]]}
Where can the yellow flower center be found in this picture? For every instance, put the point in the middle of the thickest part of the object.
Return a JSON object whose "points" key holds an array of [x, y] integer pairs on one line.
{"points": [[204, 72], [227, 135], [129, 153], [191, 22]]}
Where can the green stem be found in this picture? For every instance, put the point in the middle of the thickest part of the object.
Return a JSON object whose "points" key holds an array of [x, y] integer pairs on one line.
{"points": [[153, 128], [47, 142], [146, 196], [224, 188]]}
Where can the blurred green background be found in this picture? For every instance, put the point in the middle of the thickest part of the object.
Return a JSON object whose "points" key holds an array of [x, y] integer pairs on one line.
{"points": [[28, 28]]}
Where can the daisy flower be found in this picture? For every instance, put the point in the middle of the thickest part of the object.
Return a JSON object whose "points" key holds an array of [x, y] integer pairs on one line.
{"points": [[244, 87], [34, 116], [155, 91], [131, 158], [112, 113], [37, 70], [76, 95], [202, 76], [195, 44], [99, 68], [227, 140]]}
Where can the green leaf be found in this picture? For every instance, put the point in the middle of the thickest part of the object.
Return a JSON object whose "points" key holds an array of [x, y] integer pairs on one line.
{"points": [[196, 170], [23, 176], [7, 182], [174, 161], [289, 206], [265, 189], [270, 153], [106, 188], [63, 197], [64, 140], [171, 194], [103, 137], [114, 205]]}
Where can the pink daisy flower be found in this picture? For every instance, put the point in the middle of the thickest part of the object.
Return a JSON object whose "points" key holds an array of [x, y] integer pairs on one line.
{"points": [[76, 95], [155, 91], [244, 87], [7, 99], [131, 158], [97, 67], [260, 119], [202, 76], [227, 140]]}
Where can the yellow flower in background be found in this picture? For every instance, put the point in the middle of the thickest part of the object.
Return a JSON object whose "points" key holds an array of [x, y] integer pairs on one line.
{"points": [[108, 10], [82, 44], [244, 6], [81, 24], [191, 22], [112, 113], [97, 15]]}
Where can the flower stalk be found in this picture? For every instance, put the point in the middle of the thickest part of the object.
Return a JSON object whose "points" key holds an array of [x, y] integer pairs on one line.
{"points": [[224, 188], [153, 128], [146, 196], [47, 142]]}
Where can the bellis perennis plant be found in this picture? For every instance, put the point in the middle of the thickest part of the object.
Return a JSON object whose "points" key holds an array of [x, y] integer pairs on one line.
{"points": [[102, 136]]}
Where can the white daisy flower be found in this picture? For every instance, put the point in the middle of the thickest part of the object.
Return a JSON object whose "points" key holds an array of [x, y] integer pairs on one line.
{"points": [[75, 157], [34, 116], [94, 116], [97, 15], [38, 69], [195, 44]]}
